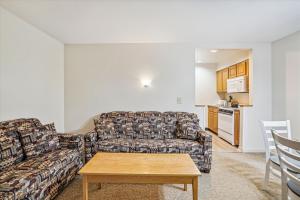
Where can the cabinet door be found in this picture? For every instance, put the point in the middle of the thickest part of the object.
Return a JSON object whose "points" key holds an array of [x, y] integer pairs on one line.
{"points": [[224, 79], [232, 71], [236, 127], [242, 68], [210, 120], [219, 81], [215, 119]]}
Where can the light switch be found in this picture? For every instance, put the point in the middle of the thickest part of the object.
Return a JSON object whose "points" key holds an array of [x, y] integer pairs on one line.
{"points": [[179, 100]]}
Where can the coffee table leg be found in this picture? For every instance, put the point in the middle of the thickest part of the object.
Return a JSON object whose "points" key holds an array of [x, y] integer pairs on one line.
{"points": [[185, 187], [85, 186], [99, 186], [195, 188]]}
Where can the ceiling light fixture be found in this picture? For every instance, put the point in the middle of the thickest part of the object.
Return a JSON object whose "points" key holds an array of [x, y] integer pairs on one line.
{"points": [[214, 51]]}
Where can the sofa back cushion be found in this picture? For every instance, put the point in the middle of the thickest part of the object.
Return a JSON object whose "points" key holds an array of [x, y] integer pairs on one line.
{"points": [[20, 124], [131, 125], [37, 141], [50, 127], [140, 125], [187, 129], [149, 125], [11, 151], [11, 147]]}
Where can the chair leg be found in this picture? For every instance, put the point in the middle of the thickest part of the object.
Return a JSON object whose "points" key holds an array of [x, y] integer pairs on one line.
{"points": [[267, 172], [284, 188]]}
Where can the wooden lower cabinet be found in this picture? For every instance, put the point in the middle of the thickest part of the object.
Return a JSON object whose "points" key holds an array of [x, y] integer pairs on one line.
{"points": [[237, 127], [213, 119]]}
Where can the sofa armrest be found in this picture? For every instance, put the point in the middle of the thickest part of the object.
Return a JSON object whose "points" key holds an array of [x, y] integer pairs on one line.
{"points": [[72, 141], [205, 139], [90, 144]]}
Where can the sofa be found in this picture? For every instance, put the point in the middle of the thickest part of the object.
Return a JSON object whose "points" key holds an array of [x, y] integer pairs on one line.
{"points": [[150, 132], [35, 161]]}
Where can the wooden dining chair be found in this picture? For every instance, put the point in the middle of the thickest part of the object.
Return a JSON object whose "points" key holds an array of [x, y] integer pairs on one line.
{"points": [[272, 160], [289, 157]]}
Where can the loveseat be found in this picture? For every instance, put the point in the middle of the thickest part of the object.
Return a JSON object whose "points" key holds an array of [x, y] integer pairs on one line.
{"points": [[150, 132], [35, 161]]}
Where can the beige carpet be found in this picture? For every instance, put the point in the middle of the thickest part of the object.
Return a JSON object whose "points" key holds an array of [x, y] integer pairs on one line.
{"points": [[234, 176]]}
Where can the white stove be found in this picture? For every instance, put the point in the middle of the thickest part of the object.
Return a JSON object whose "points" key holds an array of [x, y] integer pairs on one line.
{"points": [[226, 124]]}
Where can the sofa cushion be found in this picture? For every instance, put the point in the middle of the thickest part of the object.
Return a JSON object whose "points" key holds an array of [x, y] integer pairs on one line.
{"points": [[170, 120], [54, 162], [187, 129], [20, 124], [183, 146], [50, 127], [148, 130], [38, 141], [115, 145], [149, 146], [11, 151], [22, 183], [105, 129]]}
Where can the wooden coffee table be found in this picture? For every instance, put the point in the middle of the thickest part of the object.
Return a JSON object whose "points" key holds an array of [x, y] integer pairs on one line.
{"points": [[140, 168]]}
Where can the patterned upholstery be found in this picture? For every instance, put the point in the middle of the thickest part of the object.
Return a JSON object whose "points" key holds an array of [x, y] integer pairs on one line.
{"points": [[72, 141], [11, 151], [20, 124], [50, 127], [115, 145], [45, 175], [149, 146], [187, 129], [38, 141], [150, 132], [19, 183], [90, 145]]}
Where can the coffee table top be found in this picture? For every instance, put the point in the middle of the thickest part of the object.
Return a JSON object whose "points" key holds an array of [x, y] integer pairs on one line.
{"points": [[141, 164]]}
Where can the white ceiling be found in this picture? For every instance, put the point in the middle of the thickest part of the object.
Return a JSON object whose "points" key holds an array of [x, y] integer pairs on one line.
{"points": [[105, 21], [221, 57]]}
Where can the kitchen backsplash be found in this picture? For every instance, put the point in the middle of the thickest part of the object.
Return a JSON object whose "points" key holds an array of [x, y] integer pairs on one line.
{"points": [[242, 98]]}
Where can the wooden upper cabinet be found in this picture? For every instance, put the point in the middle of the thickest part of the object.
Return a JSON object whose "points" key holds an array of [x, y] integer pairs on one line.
{"points": [[242, 68], [232, 71], [219, 81], [224, 79]]}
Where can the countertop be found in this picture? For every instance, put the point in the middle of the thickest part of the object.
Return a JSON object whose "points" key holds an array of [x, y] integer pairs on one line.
{"points": [[211, 105]]}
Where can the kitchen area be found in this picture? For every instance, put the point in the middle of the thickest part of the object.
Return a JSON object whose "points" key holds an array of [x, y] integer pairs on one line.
{"points": [[223, 92]]}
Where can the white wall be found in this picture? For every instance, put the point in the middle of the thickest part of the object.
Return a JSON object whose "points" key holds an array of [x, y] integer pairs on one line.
{"points": [[205, 89], [286, 82], [31, 72], [205, 84], [107, 77]]}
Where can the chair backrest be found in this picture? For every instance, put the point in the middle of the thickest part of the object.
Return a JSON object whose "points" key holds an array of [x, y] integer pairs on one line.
{"points": [[282, 127], [289, 156]]}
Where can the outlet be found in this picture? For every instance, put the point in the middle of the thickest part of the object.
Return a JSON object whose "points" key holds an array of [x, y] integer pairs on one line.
{"points": [[179, 100]]}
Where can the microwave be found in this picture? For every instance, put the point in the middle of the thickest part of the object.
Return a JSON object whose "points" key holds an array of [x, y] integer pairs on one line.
{"points": [[237, 85]]}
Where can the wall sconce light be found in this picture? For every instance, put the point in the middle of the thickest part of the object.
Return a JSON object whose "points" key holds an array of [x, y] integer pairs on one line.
{"points": [[146, 83], [214, 50]]}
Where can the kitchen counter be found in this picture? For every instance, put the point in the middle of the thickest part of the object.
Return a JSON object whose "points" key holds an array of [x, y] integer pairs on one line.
{"points": [[216, 106]]}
